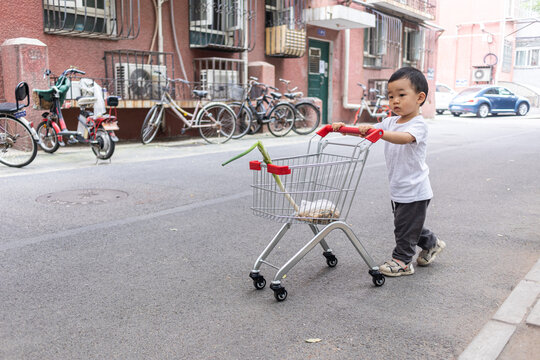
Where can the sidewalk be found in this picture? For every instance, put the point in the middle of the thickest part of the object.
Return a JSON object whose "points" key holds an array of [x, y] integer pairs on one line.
{"points": [[513, 333]]}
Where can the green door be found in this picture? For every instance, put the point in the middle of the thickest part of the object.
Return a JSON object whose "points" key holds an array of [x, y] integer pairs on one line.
{"points": [[318, 69]]}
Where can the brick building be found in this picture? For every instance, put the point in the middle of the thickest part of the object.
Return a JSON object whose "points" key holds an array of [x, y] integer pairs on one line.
{"points": [[325, 47]]}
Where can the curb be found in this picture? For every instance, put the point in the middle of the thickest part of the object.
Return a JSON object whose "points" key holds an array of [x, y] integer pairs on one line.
{"points": [[493, 337]]}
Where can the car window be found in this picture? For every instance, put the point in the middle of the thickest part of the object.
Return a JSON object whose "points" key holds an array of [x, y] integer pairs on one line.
{"points": [[491, 91], [503, 91], [442, 88]]}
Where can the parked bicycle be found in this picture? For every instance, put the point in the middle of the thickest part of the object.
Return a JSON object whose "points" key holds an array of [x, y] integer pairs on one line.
{"points": [[18, 139], [278, 116], [379, 111], [308, 116], [95, 130], [215, 121]]}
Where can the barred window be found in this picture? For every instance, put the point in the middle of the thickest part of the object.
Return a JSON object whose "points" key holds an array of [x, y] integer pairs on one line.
{"points": [[221, 23], [112, 19], [382, 42]]}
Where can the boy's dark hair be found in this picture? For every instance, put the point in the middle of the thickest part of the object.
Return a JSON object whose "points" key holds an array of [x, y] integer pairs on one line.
{"points": [[415, 76]]}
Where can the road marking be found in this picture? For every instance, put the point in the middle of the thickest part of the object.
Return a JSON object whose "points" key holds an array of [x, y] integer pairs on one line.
{"points": [[19, 243]]}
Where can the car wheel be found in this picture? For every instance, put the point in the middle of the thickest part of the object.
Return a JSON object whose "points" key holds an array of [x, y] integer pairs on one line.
{"points": [[523, 109], [440, 112], [456, 114], [483, 111]]}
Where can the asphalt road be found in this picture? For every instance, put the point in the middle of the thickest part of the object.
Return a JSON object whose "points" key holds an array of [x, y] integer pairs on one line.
{"points": [[162, 273]]}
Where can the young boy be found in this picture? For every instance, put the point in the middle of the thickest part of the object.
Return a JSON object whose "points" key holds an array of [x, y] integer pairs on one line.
{"points": [[410, 190]]}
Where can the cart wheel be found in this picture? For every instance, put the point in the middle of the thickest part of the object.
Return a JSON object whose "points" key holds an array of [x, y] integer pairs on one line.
{"points": [[280, 294], [378, 280], [331, 261], [259, 283]]}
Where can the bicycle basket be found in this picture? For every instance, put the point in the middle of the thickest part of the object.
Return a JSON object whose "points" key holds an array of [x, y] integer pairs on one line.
{"points": [[256, 91], [42, 99]]}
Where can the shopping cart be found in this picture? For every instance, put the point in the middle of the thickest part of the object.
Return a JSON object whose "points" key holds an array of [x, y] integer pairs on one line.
{"points": [[316, 189]]}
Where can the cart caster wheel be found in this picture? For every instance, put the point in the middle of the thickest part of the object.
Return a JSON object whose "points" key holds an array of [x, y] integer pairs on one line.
{"points": [[378, 280], [259, 283], [331, 261], [280, 294]]}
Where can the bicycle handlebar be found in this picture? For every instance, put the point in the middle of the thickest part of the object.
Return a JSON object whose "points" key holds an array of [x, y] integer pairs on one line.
{"points": [[73, 71], [372, 134]]}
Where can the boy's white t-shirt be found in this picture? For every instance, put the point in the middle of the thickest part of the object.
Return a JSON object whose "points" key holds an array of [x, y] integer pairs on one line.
{"points": [[406, 163]]}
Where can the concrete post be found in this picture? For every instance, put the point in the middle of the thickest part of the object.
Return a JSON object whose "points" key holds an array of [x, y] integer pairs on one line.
{"points": [[24, 59]]}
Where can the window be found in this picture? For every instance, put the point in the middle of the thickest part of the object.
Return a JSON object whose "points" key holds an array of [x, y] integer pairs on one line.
{"points": [[314, 60], [503, 91], [527, 58], [443, 89], [382, 42], [413, 43], [521, 58], [285, 28], [281, 12], [220, 15], [534, 57], [218, 23], [85, 18]]}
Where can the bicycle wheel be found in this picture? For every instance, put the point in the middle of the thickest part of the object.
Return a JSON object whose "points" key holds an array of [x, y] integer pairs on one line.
{"points": [[308, 118], [104, 148], [48, 138], [243, 120], [17, 146], [216, 123], [281, 119], [151, 123]]}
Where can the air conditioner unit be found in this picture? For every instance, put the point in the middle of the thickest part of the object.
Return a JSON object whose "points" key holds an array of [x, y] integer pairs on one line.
{"points": [[220, 84], [139, 81], [482, 74]]}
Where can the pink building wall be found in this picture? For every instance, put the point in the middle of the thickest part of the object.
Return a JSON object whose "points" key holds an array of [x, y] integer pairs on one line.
{"points": [[473, 29]]}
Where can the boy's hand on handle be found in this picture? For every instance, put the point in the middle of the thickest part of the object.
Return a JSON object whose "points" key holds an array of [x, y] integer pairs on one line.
{"points": [[363, 129], [337, 126]]}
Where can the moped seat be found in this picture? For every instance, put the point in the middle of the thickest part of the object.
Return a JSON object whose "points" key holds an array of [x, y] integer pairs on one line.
{"points": [[21, 93], [10, 107], [86, 100]]}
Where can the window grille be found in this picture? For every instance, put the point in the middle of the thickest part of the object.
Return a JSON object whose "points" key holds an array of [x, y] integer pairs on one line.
{"points": [[222, 24], [382, 42], [285, 28], [221, 77], [133, 75], [108, 19]]}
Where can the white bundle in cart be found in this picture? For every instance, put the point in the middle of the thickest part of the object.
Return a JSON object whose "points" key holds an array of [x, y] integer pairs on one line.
{"points": [[316, 211]]}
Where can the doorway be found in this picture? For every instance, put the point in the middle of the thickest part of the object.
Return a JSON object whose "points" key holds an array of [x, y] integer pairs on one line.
{"points": [[318, 71]]}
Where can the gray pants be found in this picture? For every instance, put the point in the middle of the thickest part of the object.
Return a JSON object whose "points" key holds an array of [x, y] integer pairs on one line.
{"points": [[410, 231]]}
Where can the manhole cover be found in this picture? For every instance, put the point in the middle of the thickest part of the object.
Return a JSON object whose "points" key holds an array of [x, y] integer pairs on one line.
{"points": [[82, 197]]}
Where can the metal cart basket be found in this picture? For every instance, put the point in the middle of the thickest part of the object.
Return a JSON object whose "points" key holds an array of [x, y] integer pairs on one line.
{"points": [[316, 189]]}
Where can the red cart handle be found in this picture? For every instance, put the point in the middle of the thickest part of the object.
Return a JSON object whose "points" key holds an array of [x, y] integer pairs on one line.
{"points": [[372, 134]]}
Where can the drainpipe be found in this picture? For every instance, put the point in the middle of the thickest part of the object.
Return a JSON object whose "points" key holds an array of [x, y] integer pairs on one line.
{"points": [[160, 28], [501, 49], [245, 57], [346, 104]]}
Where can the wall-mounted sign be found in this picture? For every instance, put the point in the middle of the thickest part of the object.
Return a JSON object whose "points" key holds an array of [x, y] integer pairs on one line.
{"points": [[321, 32], [461, 83], [430, 73]]}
